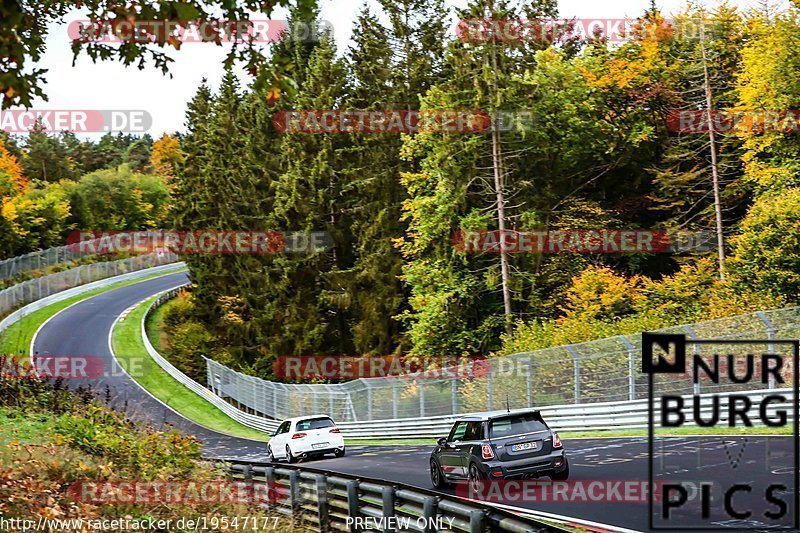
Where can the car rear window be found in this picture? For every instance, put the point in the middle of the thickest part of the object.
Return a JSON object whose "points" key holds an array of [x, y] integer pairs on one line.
{"points": [[315, 423], [516, 425]]}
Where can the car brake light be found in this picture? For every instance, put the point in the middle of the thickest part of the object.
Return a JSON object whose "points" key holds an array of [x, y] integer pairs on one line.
{"points": [[486, 452], [556, 441], [298, 435], [335, 430]]}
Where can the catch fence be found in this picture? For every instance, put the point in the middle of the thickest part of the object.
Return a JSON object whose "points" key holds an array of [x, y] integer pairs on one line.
{"points": [[38, 288], [607, 370]]}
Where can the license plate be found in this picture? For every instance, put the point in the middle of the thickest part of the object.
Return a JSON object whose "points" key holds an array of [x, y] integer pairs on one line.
{"points": [[524, 446], [319, 445]]}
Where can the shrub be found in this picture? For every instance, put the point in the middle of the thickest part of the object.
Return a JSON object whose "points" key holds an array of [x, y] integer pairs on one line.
{"points": [[188, 343], [766, 255]]}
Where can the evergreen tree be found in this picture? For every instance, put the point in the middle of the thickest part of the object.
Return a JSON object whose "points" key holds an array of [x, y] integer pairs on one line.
{"points": [[45, 158]]}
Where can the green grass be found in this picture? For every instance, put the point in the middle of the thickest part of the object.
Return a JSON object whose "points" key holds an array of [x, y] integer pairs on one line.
{"points": [[24, 428], [690, 430], [16, 339], [129, 350], [621, 433]]}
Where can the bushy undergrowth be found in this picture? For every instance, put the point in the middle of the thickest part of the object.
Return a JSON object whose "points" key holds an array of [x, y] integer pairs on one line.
{"points": [[52, 439], [601, 303]]}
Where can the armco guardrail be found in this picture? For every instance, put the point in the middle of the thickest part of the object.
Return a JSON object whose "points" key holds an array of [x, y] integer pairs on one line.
{"points": [[252, 421], [326, 500], [599, 416]]}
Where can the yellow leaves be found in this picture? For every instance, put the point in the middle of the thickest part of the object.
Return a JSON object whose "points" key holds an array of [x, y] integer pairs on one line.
{"points": [[166, 155], [8, 210], [598, 292], [9, 165], [229, 305], [11, 93]]}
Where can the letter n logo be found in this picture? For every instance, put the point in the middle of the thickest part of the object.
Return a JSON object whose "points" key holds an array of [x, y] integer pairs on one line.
{"points": [[663, 354]]}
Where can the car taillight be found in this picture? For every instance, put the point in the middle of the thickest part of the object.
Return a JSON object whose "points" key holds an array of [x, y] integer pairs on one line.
{"points": [[486, 452], [556, 441], [298, 435], [335, 430]]}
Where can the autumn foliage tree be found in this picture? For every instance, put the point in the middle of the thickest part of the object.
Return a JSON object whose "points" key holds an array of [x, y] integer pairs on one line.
{"points": [[166, 155]]}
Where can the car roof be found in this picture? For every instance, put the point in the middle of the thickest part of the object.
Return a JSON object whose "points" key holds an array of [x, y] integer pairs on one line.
{"points": [[490, 415], [307, 417]]}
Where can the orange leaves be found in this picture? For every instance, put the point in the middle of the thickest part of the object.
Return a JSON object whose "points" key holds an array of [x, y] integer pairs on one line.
{"points": [[273, 94]]}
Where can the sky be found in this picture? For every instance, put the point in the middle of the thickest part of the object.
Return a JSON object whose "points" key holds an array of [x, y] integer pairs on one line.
{"points": [[110, 85]]}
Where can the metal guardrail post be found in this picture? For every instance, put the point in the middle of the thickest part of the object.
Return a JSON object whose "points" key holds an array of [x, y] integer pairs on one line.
{"points": [[248, 473], [294, 491], [454, 394], [529, 381], [489, 386], [395, 398], [273, 497], [576, 363], [477, 521], [353, 507], [429, 513], [631, 367], [421, 386], [771, 336], [369, 398], [321, 485], [387, 508], [695, 352]]}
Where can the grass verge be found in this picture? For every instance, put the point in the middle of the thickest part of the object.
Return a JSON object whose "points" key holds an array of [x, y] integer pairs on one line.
{"points": [[129, 350], [16, 339], [620, 433]]}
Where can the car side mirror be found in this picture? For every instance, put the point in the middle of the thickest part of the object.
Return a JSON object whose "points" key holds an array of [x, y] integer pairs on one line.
{"points": [[442, 441]]}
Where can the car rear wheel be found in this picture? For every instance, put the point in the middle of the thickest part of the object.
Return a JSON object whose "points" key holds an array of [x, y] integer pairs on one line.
{"points": [[339, 453], [563, 475], [437, 476], [270, 455], [476, 477], [289, 457]]}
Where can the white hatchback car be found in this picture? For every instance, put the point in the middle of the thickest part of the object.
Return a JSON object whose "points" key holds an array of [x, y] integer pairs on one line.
{"points": [[304, 437]]}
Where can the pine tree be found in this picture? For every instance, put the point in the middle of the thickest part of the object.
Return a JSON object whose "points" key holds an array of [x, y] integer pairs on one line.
{"points": [[45, 157]]}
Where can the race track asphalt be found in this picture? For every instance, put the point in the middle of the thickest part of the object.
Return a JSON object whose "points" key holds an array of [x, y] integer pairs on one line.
{"points": [[597, 465]]}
